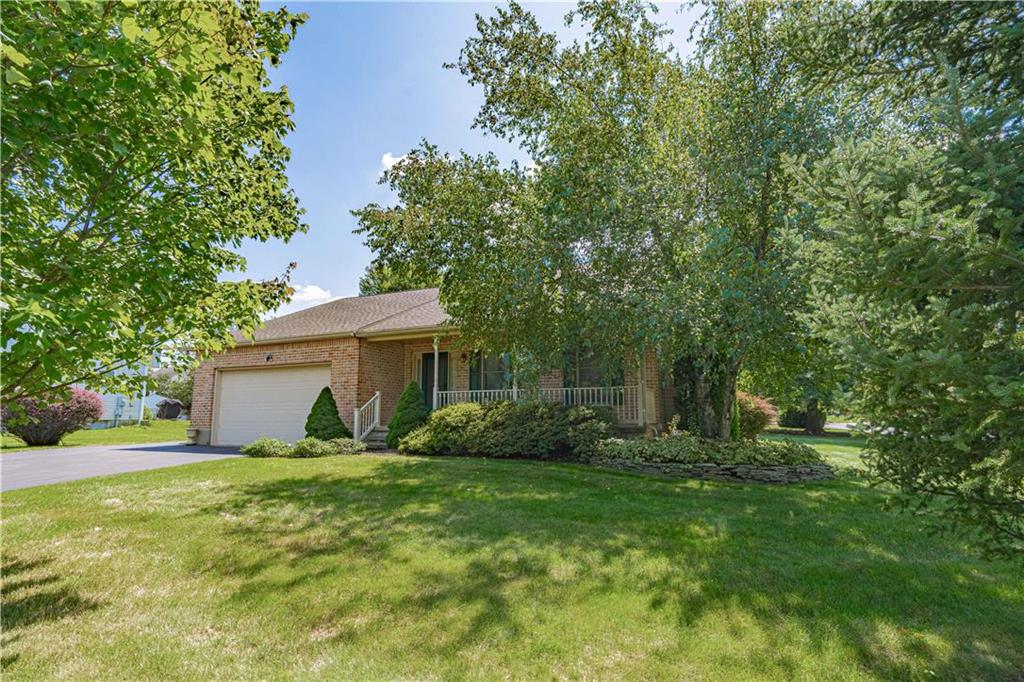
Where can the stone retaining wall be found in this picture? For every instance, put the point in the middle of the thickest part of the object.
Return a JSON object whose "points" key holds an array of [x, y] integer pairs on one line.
{"points": [[740, 473]]}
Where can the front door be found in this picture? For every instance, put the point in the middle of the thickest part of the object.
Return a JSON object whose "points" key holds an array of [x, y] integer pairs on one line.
{"points": [[427, 375]]}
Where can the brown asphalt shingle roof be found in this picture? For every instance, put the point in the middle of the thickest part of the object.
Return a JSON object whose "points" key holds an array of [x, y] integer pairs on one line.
{"points": [[358, 315]]}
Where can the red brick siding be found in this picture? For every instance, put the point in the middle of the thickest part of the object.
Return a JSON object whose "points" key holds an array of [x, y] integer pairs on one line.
{"points": [[342, 355], [381, 365]]}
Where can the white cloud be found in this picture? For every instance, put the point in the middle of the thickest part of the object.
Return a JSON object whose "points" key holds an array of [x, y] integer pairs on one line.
{"points": [[389, 160], [305, 296]]}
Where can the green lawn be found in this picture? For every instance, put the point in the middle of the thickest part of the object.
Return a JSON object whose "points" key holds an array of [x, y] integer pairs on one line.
{"points": [[841, 451], [157, 431], [372, 567]]}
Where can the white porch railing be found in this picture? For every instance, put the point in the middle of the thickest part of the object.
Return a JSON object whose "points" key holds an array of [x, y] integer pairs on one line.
{"points": [[366, 418], [624, 401]]}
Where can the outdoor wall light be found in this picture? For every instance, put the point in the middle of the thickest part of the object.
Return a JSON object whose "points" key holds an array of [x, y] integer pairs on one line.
{"points": [[270, 356]]}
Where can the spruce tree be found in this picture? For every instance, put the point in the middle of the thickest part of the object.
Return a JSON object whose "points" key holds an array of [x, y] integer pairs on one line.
{"points": [[323, 421], [410, 412]]}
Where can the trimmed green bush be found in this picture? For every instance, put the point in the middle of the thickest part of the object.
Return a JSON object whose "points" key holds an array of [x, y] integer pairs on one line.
{"points": [[347, 446], [686, 448], [323, 422], [537, 430], [314, 447], [267, 447], [448, 431], [410, 412], [307, 447], [755, 414]]}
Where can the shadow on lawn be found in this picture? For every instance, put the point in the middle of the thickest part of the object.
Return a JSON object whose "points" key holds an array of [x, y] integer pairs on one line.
{"points": [[810, 566], [30, 594]]}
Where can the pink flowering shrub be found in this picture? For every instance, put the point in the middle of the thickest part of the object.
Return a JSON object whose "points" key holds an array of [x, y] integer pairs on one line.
{"points": [[42, 423], [756, 414]]}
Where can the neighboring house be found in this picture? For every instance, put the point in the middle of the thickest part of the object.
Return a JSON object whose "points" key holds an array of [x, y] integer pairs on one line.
{"points": [[120, 408], [367, 349]]}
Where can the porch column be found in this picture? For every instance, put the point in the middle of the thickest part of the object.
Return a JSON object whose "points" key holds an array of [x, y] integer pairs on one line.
{"points": [[436, 357]]}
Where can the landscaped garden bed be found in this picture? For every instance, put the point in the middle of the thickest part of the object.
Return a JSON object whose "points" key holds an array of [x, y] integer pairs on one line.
{"points": [[545, 431]]}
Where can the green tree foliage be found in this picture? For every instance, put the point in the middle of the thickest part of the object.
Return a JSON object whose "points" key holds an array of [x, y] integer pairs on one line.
{"points": [[919, 263], [410, 412], [323, 421], [174, 385], [141, 141], [381, 278], [652, 218]]}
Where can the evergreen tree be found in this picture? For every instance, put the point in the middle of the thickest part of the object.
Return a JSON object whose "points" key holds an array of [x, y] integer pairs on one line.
{"points": [[410, 413], [323, 421]]}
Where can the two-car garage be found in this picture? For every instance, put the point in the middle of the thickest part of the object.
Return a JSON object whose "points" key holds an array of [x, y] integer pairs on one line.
{"points": [[272, 401]]}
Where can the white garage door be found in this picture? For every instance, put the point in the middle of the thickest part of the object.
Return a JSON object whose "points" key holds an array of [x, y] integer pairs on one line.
{"points": [[266, 402]]}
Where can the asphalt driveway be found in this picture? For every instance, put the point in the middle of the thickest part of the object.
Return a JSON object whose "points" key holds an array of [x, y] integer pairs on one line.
{"points": [[27, 468]]}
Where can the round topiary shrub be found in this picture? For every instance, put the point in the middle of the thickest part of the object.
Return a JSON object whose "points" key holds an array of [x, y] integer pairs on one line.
{"points": [[323, 422], [410, 412], [755, 414], [43, 422]]}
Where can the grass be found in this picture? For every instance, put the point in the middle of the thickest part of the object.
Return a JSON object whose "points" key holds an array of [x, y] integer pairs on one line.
{"points": [[372, 567], [157, 431], [841, 451]]}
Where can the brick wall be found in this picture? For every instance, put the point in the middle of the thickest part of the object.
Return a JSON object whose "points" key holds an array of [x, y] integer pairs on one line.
{"points": [[342, 355], [381, 368]]}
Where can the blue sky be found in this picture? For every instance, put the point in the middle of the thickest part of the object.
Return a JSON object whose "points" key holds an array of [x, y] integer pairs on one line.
{"points": [[368, 83]]}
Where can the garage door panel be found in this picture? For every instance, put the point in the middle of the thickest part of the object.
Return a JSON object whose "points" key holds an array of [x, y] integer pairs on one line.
{"points": [[270, 402]]}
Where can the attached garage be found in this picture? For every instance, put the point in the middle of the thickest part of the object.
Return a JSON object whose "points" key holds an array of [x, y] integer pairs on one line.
{"points": [[265, 402]]}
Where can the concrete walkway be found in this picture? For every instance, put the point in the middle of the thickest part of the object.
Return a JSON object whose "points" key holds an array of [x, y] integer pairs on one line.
{"points": [[27, 468]]}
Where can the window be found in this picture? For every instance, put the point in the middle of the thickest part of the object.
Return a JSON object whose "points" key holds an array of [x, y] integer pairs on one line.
{"points": [[490, 371], [582, 369]]}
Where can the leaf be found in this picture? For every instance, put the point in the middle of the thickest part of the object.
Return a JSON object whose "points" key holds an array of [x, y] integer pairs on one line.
{"points": [[130, 28], [15, 77], [17, 58]]}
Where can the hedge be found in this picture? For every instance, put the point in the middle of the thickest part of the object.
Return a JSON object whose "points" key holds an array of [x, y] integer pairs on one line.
{"points": [[686, 448], [306, 447], [532, 430]]}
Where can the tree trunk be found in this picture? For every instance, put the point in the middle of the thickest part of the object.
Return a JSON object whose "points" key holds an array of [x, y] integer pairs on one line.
{"points": [[705, 395], [815, 419]]}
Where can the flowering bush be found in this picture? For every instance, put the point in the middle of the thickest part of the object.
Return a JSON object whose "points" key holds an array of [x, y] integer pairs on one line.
{"points": [[756, 414], [39, 422]]}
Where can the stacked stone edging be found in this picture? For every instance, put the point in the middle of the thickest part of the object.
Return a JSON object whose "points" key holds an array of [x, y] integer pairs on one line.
{"points": [[739, 473]]}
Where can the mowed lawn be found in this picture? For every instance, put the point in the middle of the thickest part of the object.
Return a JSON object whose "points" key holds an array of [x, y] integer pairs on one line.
{"points": [[157, 431], [372, 567]]}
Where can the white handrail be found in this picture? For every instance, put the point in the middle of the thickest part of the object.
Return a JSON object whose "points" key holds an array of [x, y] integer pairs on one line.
{"points": [[366, 418], [623, 401]]}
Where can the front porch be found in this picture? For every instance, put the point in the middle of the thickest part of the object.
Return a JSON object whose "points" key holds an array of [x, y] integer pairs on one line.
{"points": [[448, 375], [625, 402]]}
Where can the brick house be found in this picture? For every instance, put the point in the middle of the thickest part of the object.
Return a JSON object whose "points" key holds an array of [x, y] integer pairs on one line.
{"points": [[367, 349]]}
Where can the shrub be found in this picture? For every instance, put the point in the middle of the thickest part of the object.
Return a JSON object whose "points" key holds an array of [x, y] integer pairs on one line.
{"points": [[347, 446], [40, 422], [587, 427], [267, 447], [448, 431], [323, 422], [147, 414], [410, 412], [505, 429], [686, 448], [314, 447], [755, 414]]}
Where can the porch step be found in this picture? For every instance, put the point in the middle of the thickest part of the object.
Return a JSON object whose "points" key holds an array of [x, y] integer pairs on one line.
{"points": [[377, 439]]}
